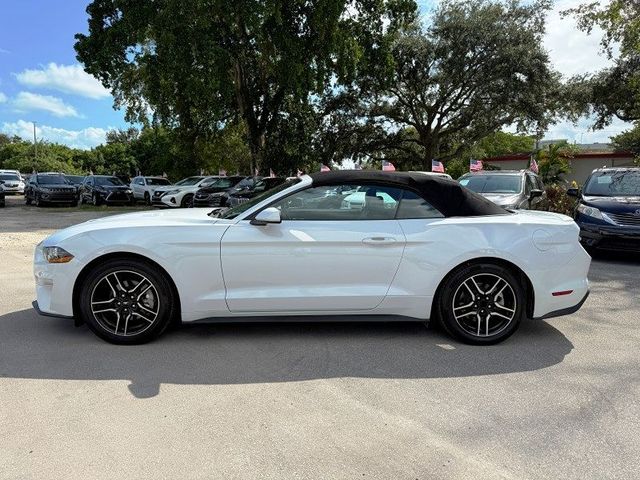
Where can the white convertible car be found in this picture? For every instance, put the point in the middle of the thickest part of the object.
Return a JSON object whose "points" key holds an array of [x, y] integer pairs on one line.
{"points": [[437, 250]]}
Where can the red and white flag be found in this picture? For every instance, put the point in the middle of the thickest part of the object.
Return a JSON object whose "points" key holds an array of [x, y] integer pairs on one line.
{"points": [[475, 165], [300, 173], [533, 166], [324, 168], [437, 166], [388, 166], [222, 172], [271, 174], [256, 172]]}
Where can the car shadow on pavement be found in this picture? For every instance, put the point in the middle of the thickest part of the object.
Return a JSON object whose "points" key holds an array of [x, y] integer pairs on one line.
{"points": [[35, 347]]}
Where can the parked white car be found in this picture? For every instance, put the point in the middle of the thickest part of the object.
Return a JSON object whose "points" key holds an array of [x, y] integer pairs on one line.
{"points": [[12, 182], [181, 193], [442, 252], [143, 187]]}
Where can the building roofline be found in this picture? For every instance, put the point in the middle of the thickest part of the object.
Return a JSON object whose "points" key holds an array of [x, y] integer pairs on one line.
{"points": [[577, 156]]}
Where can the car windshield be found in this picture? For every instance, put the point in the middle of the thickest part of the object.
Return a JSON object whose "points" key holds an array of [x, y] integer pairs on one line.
{"points": [[189, 181], [51, 179], [493, 183], [9, 176], [245, 183], [623, 183], [77, 179], [109, 181], [158, 181], [243, 207]]}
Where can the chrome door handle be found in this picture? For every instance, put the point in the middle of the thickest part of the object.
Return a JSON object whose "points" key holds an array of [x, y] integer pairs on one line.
{"points": [[379, 240]]}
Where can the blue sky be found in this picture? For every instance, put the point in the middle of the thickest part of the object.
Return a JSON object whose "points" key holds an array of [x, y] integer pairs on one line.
{"points": [[41, 81]]}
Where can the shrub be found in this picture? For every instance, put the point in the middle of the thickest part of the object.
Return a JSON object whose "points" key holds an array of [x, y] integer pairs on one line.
{"points": [[559, 201]]}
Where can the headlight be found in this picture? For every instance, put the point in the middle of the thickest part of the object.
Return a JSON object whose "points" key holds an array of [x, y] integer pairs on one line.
{"points": [[127, 191], [56, 255], [44, 189], [171, 192], [590, 212]]}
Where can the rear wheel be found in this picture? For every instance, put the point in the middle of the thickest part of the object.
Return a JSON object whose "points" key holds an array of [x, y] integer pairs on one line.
{"points": [[482, 304], [147, 198], [126, 301]]}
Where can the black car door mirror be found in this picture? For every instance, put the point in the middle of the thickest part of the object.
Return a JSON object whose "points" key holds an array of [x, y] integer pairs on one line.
{"points": [[573, 192], [535, 193]]}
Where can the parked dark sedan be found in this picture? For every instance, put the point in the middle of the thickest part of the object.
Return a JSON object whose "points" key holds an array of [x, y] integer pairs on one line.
{"points": [[99, 189], [209, 196], [608, 210], [44, 188], [238, 196]]}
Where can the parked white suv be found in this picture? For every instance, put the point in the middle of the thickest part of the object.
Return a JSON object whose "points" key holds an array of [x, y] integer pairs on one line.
{"points": [[181, 193], [13, 182], [143, 187]]}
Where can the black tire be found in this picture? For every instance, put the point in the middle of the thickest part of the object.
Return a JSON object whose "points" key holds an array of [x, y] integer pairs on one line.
{"points": [[482, 322], [102, 324], [95, 200], [27, 200], [81, 199], [187, 201], [147, 198], [38, 201]]}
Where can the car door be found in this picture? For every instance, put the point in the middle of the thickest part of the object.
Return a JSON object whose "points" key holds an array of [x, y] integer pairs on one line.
{"points": [[137, 187], [328, 254]]}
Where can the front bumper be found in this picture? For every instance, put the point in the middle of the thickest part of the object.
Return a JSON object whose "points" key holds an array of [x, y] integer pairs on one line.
{"points": [[118, 197], [59, 197], [14, 190], [610, 237]]}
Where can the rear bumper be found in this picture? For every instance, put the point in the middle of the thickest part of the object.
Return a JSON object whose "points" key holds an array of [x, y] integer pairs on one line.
{"points": [[564, 311], [610, 237]]}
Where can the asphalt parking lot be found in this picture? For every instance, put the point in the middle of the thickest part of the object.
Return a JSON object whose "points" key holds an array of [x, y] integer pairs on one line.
{"points": [[559, 399]]}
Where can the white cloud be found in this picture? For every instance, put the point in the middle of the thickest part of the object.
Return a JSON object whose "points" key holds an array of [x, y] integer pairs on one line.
{"points": [[84, 139], [64, 78], [582, 132], [3, 97], [27, 101], [572, 51]]}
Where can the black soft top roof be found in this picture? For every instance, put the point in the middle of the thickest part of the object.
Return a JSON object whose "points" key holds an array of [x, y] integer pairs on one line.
{"points": [[448, 196]]}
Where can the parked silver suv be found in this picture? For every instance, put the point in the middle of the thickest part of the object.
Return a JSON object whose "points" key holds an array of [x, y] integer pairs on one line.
{"points": [[514, 189]]}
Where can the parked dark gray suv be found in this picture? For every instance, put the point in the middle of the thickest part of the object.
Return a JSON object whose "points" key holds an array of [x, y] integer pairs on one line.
{"points": [[513, 189]]}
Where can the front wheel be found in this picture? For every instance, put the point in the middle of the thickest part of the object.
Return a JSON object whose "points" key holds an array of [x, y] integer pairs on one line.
{"points": [[95, 200], [126, 301], [482, 304], [187, 201]]}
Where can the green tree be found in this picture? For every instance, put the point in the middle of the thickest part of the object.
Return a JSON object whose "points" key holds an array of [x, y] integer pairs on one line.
{"points": [[552, 162], [478, 66], [613, 91], [198, 64], [629, 141]]}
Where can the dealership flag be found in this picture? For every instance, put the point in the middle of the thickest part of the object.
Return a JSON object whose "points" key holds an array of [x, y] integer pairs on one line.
{"points": [[300, 173], [437, 166], [533, 166], [222, 172], [271, 174], [324, 168], [357, 167], [388, 166], [475, 165], [256, 172]]}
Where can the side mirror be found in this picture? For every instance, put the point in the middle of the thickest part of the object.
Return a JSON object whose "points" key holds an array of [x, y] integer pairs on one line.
{"points": [[535, 193], [573, 192], [1, 182], [266, 216]]}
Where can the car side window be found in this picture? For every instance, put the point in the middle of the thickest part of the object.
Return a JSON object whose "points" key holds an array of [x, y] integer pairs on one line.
{"points": [[414, 206], [139, 181], [341, 202]]}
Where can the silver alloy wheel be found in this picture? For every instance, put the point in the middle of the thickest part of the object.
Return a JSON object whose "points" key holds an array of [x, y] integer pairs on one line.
{"points": [[125, 303], [484, 305]]}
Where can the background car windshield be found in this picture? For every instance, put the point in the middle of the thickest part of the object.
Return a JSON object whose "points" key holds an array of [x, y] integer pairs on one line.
{"points": [[493, 183], [51, 179], [611, 184], [247, 182], [158, 181], [109, 181], [9, 176], [189, 181], [74, 178], [238, 209]]}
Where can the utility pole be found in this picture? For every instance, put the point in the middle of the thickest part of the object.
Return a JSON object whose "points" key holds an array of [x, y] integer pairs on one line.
{"points": [[35, 142]]}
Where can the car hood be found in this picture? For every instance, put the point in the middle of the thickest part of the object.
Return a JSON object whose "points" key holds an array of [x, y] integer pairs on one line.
{"points": [[212, 190], [613, 204], [180, 188], [146, 219], [502, 198], [58, 185]]}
